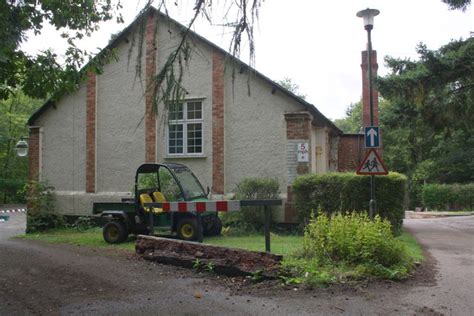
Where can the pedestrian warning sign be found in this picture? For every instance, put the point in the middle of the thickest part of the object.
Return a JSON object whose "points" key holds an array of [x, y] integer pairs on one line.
{"points": [[372, 164]]}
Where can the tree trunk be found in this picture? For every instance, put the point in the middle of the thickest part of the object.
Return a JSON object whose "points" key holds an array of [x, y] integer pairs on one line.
{"points": [[207, 257]]}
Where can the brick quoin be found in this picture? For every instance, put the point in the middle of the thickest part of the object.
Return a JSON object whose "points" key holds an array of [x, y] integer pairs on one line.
{"points": [[90, 131], [298, 125], [217, 122], [34, 154], [150, 72], [350, 151], [365, 90]]}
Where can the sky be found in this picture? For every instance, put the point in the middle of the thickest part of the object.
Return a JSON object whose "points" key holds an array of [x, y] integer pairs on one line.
{"points": [[317, 44]]}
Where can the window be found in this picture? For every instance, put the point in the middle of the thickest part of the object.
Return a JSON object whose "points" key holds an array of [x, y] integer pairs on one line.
{"points": [[185, 128]]}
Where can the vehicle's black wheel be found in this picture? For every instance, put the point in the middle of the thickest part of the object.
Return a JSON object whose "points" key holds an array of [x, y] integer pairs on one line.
{"points": [[115, 232], [187, 229], [215, 228]]}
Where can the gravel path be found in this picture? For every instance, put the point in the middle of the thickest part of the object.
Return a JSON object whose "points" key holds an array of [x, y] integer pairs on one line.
{"points": [[38, 278]]}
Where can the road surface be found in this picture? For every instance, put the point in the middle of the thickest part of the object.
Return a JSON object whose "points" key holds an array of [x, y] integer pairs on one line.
{"points": [[39, 278]]}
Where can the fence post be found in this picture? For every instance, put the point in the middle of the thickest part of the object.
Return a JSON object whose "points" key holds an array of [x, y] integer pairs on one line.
{"points": [[267, 228], [199, 227]]}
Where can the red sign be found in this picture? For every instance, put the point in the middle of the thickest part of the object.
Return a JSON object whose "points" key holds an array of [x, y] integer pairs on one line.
{"points": [[372, 164]]}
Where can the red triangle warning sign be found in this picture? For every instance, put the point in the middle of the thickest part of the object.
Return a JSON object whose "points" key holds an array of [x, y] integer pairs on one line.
{"points": [[372, 164]]}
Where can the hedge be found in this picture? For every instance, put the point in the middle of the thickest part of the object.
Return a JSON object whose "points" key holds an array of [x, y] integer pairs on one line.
{"points": [[251, 218], [443, 197], [343, 192]]}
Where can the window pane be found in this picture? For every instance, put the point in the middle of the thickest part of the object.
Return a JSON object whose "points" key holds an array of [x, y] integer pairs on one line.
{"points": [[175, 111], [175, 141], [194, 110], [194, 138]]}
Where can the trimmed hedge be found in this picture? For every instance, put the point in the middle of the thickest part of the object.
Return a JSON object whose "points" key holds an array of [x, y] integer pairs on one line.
{"points": [[251, 218], [443, 197], [345, 192]]}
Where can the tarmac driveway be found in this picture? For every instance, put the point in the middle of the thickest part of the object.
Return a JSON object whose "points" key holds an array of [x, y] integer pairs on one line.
{"points": [[63, 279]]}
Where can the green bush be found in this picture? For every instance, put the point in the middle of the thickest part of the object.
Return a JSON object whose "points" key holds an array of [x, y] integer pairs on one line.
{"points": [[443, 197], [353, 240], [41, 214], [11, 190], [251, 218], [341, 192]]}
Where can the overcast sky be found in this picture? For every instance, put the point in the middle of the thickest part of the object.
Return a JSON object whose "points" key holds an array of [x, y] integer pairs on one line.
{"points": [[318, 43]]}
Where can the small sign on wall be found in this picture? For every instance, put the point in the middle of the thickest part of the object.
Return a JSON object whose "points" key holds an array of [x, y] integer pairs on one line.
{"points": [[302, 152]]}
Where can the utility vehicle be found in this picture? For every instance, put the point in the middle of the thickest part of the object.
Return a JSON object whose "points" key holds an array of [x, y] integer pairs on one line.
{"points": [[166, 182]]}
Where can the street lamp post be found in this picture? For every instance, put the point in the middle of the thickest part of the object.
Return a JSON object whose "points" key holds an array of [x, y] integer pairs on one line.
{"points": [[368, 16]]}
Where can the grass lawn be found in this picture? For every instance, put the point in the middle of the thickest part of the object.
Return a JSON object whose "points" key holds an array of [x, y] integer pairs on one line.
{"points": [[413, 247], [91, 237], [280, 244]]}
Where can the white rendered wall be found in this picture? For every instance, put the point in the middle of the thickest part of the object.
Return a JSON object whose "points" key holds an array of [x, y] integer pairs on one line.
{"points": [[197, 81]]}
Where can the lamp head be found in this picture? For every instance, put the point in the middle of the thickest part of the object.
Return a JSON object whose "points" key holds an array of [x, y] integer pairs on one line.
{"points": [[368, 16], [21, 148]]}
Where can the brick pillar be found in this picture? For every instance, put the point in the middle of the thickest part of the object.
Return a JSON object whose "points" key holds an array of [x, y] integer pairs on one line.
{"points": [[217, 123], [150, 72], [365, 89], [91, 102], [34, 154], [298, 130]]}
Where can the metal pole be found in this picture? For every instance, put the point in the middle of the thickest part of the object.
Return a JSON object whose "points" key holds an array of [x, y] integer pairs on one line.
{"points": [[199, 227], [150, 209], [267, 228], [372, 202]]}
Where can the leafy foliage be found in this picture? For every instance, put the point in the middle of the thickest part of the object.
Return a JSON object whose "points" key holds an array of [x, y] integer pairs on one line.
{"points": [[14, 112], [342, 192], [251, 218], [341, 248], [458, 4], [41, 212], [41, 75], [443, 197], [432, 108], [289, 85], [352, 123]]}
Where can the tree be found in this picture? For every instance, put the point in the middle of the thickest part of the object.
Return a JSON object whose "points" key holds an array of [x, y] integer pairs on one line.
{"points": [[44, 75], [14, 112], [41, 75], [294, 88], [427, 126], [458, 4], [352, 123]]}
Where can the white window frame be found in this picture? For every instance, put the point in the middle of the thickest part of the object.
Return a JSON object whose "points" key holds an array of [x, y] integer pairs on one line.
{"points": [[185, 121]]}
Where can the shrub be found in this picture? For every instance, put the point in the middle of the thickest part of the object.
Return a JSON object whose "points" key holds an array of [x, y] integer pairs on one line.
{"points": [[354, 242], [340, 192], [448, 196], [41, 214], [251, 218], [11, 190]]}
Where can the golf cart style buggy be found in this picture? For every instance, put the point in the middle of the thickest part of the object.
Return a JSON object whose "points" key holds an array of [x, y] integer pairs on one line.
{"points": [[167, 182]]}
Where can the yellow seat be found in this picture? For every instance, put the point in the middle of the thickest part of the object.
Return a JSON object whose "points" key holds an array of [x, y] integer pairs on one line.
{"points": [[159, 197], [146, 198]]}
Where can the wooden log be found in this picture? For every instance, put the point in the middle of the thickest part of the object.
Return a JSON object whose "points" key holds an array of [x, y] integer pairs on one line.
{"points": [[228, 261]]}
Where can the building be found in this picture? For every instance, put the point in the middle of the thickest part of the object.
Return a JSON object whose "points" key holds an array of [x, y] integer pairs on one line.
{"points": [[89, 143]]}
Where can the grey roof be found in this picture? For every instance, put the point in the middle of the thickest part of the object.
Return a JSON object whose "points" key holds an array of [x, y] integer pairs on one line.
{"points": [[308, 106]]}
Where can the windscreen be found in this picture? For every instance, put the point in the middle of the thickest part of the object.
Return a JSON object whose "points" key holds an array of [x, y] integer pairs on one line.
{"points": [[191, 185]]}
